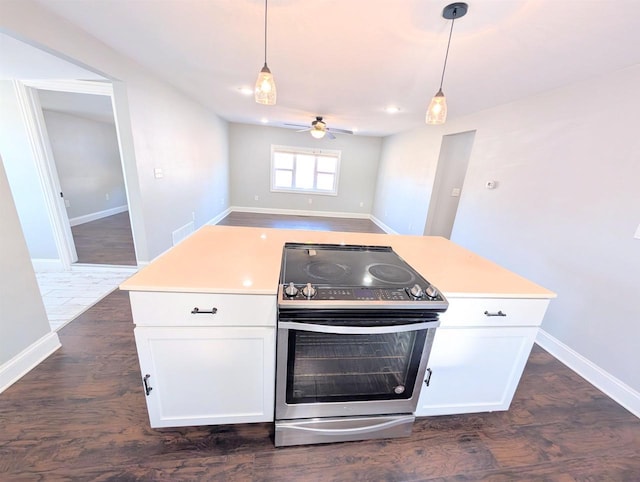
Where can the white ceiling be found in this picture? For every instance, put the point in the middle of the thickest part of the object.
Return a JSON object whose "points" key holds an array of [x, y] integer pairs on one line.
{"points": [[349, 59]]}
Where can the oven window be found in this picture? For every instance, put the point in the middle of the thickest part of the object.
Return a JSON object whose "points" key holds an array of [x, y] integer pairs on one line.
{"points": [[340, 368]]}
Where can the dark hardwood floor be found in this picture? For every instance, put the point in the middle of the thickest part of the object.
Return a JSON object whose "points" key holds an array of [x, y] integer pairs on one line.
{"points": [[105, 241], [81, 415], [313, 223]]}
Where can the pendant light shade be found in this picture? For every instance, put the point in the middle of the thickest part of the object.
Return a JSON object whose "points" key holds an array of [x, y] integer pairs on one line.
{"points": [[437, 111], [265, 92]]}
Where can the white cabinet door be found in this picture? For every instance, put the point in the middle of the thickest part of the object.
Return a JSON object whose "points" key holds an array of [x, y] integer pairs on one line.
{"points": [[475, 369], [207, 375]]}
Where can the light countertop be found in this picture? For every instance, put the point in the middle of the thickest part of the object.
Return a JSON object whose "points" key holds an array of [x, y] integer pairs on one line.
{"points": [[225, 259]]}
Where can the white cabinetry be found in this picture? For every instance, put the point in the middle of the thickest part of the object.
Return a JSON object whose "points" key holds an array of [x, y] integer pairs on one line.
{"points": [[206, 368], [479, 353]]}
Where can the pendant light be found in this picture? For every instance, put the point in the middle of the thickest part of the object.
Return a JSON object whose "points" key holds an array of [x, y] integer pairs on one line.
{"points": [[265, 92], [437, 111]]}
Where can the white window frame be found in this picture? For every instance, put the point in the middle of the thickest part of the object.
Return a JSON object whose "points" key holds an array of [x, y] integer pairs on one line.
{"points": [[307, 151]]}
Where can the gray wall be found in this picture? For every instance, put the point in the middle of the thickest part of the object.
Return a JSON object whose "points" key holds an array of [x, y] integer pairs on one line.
{"points": [[565, 209], [23, 320], [250, 163], [87, 161], [20, 167]]}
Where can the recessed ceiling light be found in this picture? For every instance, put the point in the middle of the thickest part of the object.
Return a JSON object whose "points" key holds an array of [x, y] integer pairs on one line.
{"points": [[392, 109], [264, 120], [245, 90]]}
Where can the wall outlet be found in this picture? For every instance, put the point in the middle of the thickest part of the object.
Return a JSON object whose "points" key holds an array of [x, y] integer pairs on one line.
{"points": [[361, 204], [106, 196], [455, 192], [637, 235], [157, 173], [310, 201], [256, 198], [67, 203], [193, 215]]}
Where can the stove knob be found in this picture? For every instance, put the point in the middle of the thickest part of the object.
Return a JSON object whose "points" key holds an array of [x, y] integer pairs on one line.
{"points": [[291, 290], [416, 291], [431, 292], [309, 291]]}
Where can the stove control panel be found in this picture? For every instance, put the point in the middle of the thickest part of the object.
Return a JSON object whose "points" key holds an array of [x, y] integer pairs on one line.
{"points": [[308, 292]]}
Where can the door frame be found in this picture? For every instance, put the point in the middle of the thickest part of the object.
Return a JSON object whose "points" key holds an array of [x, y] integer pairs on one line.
{"points": [[26, 93]]}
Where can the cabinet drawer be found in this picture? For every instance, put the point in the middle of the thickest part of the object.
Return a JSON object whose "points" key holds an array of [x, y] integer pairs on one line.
{"points": [[494, 312], [175, 309]]}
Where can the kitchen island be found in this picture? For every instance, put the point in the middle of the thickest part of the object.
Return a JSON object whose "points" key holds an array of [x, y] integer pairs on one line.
{"points": [[205, 316]]}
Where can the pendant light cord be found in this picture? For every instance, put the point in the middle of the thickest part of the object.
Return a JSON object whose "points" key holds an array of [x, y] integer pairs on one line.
{"points": [[265, 32], [444, 67]]}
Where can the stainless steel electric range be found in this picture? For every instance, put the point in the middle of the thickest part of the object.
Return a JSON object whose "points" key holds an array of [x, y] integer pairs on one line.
{"points": [[355, 328]]}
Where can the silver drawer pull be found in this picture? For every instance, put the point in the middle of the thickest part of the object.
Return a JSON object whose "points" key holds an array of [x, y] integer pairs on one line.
{"points": [[499, 313], [197, 311]]}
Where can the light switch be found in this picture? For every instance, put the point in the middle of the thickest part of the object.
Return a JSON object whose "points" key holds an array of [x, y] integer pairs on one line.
{"points": [[67, 204], [157, 173], [637, 235], [455, 192]]}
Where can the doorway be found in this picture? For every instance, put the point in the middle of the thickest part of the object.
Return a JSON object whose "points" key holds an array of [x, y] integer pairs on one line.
{"points": [[76, 146], [86, 158], [453, 161]]}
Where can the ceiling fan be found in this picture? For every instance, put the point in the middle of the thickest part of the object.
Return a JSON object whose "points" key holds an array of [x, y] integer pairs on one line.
{"points": [[319, 129]]}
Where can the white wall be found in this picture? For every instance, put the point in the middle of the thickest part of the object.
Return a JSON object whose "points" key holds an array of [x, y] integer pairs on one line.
{"points": [[159, 128], [88, 163], [20, 167], [250, 164], [565, 210], [23, 320]]}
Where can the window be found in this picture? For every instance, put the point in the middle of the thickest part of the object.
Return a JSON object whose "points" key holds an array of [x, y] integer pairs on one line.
{"points": [[296, 169]]}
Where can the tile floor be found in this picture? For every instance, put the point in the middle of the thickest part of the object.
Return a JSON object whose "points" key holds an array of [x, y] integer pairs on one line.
{"points": [[67, 294]]}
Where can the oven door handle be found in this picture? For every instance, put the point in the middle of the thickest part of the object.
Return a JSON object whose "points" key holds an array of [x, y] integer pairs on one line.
{"points": [[354, 330]]}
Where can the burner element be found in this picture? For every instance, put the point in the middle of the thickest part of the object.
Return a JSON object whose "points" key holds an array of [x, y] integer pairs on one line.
{"points": [[391, 274], [326, 271]]}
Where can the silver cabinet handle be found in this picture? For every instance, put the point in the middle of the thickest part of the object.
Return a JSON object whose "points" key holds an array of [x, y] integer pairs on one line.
{"points": [[198, 311], [499, 313]]}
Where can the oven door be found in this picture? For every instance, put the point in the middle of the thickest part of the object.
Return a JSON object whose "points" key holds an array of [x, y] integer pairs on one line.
{"points": [[340, 371]]}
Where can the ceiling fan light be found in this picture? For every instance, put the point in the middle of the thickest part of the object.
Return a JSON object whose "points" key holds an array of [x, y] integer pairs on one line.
{"points": [[318, 133], [437, 111]]}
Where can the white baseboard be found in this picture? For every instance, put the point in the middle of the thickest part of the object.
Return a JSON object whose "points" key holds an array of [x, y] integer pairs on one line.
{"points": [[299, 212], [610, 385], [14, 369], [47, 265], [382, 226], [219, 217], [98, 215]]}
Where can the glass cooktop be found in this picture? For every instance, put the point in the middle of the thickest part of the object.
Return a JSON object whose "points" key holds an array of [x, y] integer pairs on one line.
{"points": [[337, 266]]}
